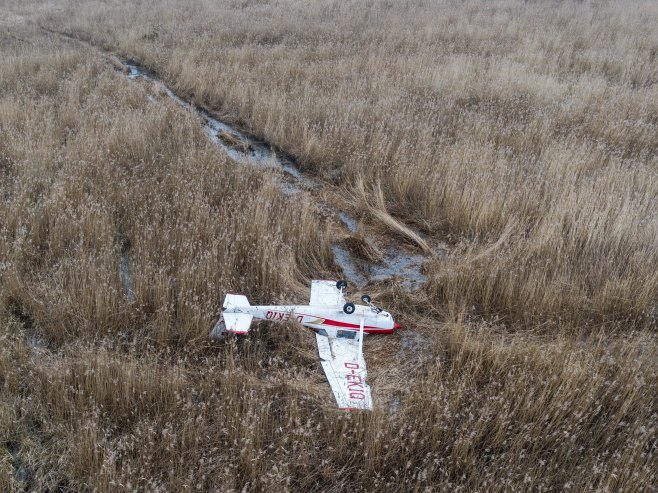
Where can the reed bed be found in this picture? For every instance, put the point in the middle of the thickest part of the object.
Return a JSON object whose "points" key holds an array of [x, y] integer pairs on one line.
{"points": [[478, 121], [520, 136]]}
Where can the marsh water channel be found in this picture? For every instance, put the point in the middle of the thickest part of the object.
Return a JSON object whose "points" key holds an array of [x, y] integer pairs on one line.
{"points": [[397, 262]]}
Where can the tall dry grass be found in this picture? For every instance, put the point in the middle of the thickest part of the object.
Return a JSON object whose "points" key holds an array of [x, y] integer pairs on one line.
{"points": [[93, 168], [519, 134], [482, 413], [527, 126]]}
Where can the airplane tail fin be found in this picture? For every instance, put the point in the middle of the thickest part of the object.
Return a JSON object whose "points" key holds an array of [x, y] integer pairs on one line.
{"points": [[229, 321], [238, 323]]}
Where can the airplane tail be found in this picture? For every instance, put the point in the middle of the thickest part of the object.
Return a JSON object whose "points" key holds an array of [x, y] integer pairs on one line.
{"points": [[232, 321]]}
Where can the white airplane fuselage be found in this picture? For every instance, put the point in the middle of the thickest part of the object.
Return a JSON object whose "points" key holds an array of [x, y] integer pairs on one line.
{"points": [[327, 317], [339, 329]]}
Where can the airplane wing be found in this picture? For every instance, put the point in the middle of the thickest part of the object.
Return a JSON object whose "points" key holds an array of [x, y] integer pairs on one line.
{"points": [[345, 370], [325, 293]]}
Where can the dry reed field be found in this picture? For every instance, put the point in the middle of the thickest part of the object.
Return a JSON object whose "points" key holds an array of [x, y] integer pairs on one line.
{"points": [[513, 144]]}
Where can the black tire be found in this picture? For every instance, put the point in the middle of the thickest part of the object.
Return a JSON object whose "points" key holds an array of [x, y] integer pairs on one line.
{"points": [[349, 308], [366, 299], [341, 284]]}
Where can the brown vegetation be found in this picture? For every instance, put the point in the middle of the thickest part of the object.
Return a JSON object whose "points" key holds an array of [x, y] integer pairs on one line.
{"points": [[532, 122], [522, 136]]}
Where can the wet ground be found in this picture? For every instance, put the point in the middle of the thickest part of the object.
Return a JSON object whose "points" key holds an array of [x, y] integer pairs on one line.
{"points": [[400, 262], [21, 472], [126, 272]]}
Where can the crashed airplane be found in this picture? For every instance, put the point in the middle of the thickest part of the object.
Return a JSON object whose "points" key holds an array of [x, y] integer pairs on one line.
{"points": [[339, 327]]}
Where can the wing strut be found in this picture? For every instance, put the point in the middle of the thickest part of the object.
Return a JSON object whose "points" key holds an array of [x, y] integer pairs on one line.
{"points": [[361, 341]]}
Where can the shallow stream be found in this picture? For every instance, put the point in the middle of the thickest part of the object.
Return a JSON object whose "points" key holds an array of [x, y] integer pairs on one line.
{"points": [[397, 262]]}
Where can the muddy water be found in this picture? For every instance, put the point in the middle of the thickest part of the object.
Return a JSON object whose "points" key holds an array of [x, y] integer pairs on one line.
{"points": [[32, 338], [398, 262], [349, 222], [21, 473], [349, 265], [407, 266], [126, 272], [236, 144]]}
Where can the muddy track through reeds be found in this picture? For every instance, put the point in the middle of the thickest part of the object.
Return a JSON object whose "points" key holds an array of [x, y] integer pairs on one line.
{"points": [[360, 254], [22, 473], [369, 245]]}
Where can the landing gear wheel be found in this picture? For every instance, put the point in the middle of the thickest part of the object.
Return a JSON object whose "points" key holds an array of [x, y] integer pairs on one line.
{"points": [[366, 299], [341, 284], [349, 308]]}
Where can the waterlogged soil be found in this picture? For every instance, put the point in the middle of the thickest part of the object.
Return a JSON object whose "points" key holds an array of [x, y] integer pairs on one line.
{"points": [[21, 473], [126, 272], [238, 145], [398, 262], [32, 337]]}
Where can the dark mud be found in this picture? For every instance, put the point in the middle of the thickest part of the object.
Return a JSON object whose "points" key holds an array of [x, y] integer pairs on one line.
{"points": [[21, 473], [126, 271]]}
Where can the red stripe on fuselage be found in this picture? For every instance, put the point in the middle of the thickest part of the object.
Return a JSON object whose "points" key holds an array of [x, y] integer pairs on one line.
{"points": [[336, 323], [366, 328], [370, 329]]}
